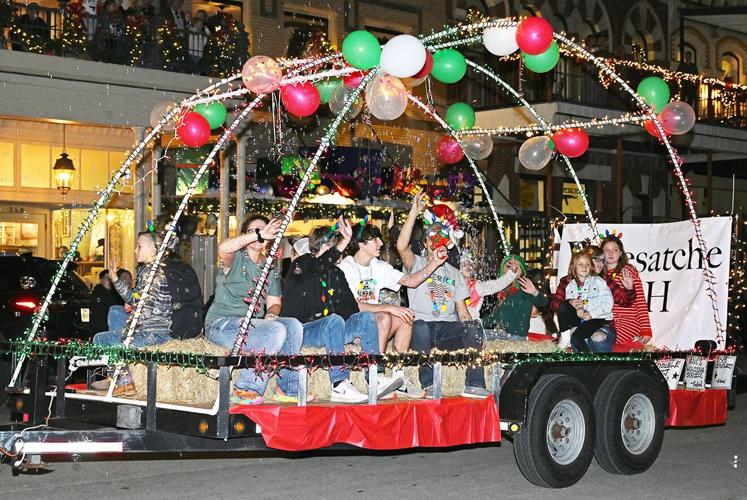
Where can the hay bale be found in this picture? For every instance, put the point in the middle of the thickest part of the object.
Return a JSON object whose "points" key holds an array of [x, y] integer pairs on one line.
{"points": [[188, 386]]}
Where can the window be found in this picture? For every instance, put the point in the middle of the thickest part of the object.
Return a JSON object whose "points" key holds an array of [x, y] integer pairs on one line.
{"points": [[7, 167], [532, 194], [572, 201], [730, 67], [36, 166]]}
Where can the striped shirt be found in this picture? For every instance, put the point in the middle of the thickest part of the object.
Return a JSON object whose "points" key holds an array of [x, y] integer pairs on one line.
{"points": [[156, 312], [631, 319]]}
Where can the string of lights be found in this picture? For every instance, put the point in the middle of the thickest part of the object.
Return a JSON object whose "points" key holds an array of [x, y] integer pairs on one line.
{"points": [[627, 118]]}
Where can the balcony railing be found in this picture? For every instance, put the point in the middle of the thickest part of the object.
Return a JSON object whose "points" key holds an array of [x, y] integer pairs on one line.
{"points": [[580, 84], [134, 40]]}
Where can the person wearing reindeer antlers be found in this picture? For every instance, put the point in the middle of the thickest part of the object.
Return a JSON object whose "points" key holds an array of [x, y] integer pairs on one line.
{"points": [[441, 316]]}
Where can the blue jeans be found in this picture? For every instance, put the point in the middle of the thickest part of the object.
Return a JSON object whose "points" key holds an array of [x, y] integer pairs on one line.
{"points": [[328, 332], [141, 339], [603, 345], [450, 336], [116, 318], [363, 324], [264, 336]]}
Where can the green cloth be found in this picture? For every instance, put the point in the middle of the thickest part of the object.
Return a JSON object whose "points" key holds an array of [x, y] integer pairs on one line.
{"points": [[232, 288], [517, 258], [512, 314]]}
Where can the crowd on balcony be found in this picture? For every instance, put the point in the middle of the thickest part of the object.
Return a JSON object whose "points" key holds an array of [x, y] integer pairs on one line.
{"points": [[163, 37]]}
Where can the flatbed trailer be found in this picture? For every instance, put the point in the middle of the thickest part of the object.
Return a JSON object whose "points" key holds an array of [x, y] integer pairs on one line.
{"points": [[559, 410]]}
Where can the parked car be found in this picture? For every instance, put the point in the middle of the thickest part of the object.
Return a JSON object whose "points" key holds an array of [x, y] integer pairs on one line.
{"points": [[24, 282]]}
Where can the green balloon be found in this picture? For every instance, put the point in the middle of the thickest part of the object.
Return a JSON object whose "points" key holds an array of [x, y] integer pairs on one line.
{"points": [[544, 62], [449, 66], [460, 116], [326, 88], [361, 50], [288, 164], [654, 91], [214, 113]]}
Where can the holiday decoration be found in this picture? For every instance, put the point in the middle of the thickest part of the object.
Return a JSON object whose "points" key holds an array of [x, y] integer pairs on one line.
{"points": [[340, 97], [261, 74], [534, 35], [535, 153], [214, 113], [448, 150], [300, 99], [460, 116], [403, 56], [449, 66], [193, 130], [500, 41], [543, 62], [386, 97], [353, 80], [571, 142], [74, 32], [654, 91], [289, 164], [159, 111], [650, 127], [361, 49], [477, 147]]}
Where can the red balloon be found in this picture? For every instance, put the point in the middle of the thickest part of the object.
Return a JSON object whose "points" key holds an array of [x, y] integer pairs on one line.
{"points": [[534, 35], [352, 80], [448, 150], [427, 67], [572, 142], [300, 99], [193, 130], [651, 129]]}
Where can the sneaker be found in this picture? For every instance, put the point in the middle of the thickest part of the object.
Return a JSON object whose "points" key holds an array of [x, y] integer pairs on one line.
{"points": [[410, 390], [241, 397], [565, 339], [122, 390], [475, 392], [280, 397], [428, 392], [387, 385], [345, 392], [101, 385]]}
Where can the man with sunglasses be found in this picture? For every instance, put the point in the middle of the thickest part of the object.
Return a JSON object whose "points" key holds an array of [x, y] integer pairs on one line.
{"points": [[442, 319]]}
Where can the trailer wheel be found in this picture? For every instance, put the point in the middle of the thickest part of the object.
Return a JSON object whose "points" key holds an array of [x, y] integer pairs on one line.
{"points": [[629, 412], [556, 445]]}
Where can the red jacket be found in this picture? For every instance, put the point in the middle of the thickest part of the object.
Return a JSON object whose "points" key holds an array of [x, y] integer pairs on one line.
{"points": [[630, 310]]}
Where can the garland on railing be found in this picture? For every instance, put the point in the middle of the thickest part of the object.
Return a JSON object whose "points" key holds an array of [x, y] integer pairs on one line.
{"points": [[74, 39], [171, 44], [135, 35]]}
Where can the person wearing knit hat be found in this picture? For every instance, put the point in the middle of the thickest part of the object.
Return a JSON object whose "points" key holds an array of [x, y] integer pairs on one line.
{"points": [[514, 308]]}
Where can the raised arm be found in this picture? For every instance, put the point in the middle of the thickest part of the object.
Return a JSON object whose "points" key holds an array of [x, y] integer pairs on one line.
{"points": [[228, 248], [416, 278], [403, 242]]}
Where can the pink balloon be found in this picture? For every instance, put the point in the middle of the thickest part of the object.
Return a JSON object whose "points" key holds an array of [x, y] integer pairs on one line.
{"points": [[448, 150], [354, 79], [300, 99], [193, 130], [534, 35], [572, 142], [427, 67], [261, 74]]}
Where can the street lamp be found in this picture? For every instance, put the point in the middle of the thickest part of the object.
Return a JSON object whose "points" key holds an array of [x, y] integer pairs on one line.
{"points": [[63, 169]]}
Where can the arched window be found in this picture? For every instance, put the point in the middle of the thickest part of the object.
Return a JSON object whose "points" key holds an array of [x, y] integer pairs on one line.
{"points": [[729, 64]]}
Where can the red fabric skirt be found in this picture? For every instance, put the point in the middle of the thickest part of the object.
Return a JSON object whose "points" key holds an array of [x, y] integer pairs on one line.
{"points": [[697, 408], [389, 425]]}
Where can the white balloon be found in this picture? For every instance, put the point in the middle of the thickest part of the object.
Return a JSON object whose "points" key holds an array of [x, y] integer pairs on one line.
{"points": [[477, 147], [535, 153], [159, 111], [500, 41], [386, 97], [403, 56], [338, 99]]}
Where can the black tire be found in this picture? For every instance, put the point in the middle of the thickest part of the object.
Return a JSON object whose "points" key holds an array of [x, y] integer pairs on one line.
{"points": [[628, 392], [556, 397]]}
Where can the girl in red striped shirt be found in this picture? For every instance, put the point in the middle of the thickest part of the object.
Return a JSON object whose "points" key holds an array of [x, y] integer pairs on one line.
{"points": [[630, 311]]}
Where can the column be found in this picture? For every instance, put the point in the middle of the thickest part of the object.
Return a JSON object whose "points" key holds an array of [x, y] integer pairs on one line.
{"points": [[139, 192], [155, 187], [240, 179], [709, 182], [224, 196], [618, 179]]}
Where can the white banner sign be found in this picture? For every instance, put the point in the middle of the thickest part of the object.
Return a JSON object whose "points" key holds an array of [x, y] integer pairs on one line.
{"points": [[671, 264], [723, 370], [671, 370]]}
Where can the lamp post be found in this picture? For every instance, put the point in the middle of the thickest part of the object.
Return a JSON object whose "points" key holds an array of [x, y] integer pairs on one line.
{"points": [[63, 169]]}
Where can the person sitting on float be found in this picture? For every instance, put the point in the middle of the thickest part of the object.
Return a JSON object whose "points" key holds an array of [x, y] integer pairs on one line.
{"points": [[542, 326], [604, 338], [241, 261], [155, 316], [632, 323], [588, 304], [317, 294], [441, 316], [478, 289], [510, 318]]}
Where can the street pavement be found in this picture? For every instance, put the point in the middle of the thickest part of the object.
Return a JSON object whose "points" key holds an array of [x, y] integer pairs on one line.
{"points": [[694, 463]]}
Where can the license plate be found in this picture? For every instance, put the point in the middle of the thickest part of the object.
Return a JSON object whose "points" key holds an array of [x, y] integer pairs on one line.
{"points": [[85, 314]]}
